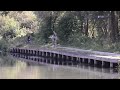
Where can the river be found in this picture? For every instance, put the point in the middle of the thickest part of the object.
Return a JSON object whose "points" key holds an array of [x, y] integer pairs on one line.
{"points": [[31, 70]]}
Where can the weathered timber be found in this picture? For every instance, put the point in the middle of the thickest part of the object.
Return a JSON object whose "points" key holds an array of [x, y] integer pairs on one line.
{"points": [[104, 59]]}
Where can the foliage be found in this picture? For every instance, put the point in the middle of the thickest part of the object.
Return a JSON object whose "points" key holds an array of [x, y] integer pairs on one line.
{"points": [[66, 27], [8, 27], [46, 30], [97, 30], [3, 45]]}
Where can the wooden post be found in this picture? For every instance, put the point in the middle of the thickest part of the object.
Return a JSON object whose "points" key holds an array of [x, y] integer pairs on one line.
{"points": [[28, 52], [64, 57], [95, 62], [32, 52], [52, 55], [78, 59], [111, 65], [106, 64], [69, 58], [118, 64], [15, 50], [48, 54], [81, 60], [88, 61], [40, 53], [56, 56], [45, 54], [21, 51], [38, 60], [60, 56], [18, 50], [99, 63], [37, 53], [74, 59], [24, 51]]}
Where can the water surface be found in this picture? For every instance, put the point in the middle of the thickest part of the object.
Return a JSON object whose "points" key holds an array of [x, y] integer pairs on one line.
{"points": [[25, 70]]}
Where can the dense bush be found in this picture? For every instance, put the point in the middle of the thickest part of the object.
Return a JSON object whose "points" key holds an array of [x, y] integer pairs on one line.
{"points": [[3, 45], [16, 24], [46, 30], [8, 27], [66, 27], [26, 19]]}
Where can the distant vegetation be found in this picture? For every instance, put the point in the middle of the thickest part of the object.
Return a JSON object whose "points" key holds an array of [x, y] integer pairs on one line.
{"points": [[96, 30]]}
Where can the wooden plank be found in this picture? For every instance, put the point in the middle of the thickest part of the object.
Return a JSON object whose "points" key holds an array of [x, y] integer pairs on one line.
{"points": [[102, 56]]}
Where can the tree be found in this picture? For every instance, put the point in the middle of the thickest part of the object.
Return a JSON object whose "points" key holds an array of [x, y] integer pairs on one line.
{"points": [[113, 26]]}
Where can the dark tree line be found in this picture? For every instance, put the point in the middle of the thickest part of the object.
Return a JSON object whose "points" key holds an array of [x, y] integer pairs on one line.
{"points": [[88, 23]]}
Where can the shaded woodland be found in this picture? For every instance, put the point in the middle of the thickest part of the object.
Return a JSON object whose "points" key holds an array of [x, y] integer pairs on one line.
{"points": [[95, 30]]}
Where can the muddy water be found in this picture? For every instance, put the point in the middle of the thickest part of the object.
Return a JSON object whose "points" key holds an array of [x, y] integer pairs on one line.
{"points": [[27, 69]]}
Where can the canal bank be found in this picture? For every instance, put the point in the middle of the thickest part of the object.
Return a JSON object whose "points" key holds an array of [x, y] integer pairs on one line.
{"points": [[101, 59], [64, 71]]}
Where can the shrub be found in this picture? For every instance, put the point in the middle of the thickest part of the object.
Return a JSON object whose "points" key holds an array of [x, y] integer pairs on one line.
{"points": [[8, 27], [26, 19], [3, 45]]}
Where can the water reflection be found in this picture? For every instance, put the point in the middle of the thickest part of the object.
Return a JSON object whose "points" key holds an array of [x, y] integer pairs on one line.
{"points": [[42, 60], [46, 68]]}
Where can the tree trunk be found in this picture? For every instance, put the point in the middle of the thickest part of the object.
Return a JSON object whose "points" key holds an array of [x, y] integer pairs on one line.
{"points": [[114, 32], [116, 26], [82, 28], [86, 28]]}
